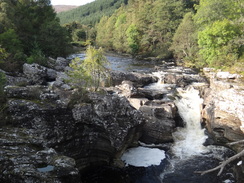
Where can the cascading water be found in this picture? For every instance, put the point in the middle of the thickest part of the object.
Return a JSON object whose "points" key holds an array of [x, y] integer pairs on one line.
{"points": [[160, 85], [189, 140], [187, 154]]}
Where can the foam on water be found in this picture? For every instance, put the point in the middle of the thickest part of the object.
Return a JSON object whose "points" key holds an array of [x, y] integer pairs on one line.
{"points": [[160, 86], [143, 157], [189, 140]]}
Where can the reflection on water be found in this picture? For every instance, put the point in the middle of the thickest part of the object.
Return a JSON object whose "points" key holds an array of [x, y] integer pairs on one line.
{"points": [[119, 63], [48, 168]]}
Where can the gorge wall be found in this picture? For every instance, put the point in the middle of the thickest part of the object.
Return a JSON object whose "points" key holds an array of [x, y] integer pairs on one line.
{"points": [[49, 134]]}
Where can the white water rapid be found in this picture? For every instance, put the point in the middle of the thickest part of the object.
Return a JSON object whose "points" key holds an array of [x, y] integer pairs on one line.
{"points": [[189, 140]]}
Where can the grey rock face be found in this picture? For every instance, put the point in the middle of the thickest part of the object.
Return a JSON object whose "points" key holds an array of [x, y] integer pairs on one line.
{"points": [[112, 114], [24, 159], [61, 64], [35, 73], [137, 78], [85, 133], [160, 122], [224, 107]]}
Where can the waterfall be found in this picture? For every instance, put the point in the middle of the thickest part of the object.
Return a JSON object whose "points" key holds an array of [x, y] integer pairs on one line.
{"points": [[160, 86], [189, 140]]}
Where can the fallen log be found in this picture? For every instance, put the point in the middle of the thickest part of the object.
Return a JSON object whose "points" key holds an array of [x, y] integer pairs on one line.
{"points": [[224, 163]]}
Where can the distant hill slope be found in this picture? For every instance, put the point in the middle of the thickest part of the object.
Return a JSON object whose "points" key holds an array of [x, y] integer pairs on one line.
{"points": [[92, 12], [62, 8]]}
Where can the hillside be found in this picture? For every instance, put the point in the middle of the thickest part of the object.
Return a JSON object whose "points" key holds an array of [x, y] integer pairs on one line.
{"points": [[62, 8], [92, 12]]}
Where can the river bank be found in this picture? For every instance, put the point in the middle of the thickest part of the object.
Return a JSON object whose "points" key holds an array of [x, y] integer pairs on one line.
{"points": [[85, 142]]}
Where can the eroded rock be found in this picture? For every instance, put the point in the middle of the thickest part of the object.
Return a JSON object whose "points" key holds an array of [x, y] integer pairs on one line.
{"points": [[160, 122], [224, 106]]}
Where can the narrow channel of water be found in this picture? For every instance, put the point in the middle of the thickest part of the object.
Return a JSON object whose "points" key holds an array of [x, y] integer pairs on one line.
{"points": [[187, 155], [190, 139]]}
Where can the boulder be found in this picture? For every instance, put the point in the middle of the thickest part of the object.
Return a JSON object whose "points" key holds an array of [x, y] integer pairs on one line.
{"points": [[126, 88], [35, 73], [137, 102], [137, 78], [160, 122], [51, 74], [60, 82], [60, 64]]}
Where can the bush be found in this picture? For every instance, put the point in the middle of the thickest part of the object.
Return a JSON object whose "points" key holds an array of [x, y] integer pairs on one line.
{"points": [[91, 72], [37, 57]]}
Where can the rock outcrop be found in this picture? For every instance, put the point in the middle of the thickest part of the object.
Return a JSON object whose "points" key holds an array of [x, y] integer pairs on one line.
{"points": [[156, 101], [51, 135], [160, 122], [224, 106]]}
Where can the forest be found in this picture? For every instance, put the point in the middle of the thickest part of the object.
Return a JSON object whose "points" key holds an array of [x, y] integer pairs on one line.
{"points": [[91, 13], [197, 33], [30, 32]]}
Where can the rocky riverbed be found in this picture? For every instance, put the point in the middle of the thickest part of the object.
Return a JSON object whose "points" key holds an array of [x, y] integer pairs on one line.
{"points": [[47, 134]]}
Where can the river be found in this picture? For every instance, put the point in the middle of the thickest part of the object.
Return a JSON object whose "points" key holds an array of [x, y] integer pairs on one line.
{"points": [[147, 164]]}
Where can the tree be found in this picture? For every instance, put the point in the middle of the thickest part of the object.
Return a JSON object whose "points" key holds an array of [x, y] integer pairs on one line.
{"points": [[91, 72], [209, 11], [29, 28], [143, 26], [185, 40], [220, 39], [79, 78], [3, 55], [133, 38], [223, 164], [216, 43], [54, 40], [91, 13], [10, 41]]}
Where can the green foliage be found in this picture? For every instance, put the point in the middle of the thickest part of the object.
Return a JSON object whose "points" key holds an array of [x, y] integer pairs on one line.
{"points": [[120, 20], [37, 56], [91, 72], [220, 32], [3, 55], [209, 11], [79, 35], [144, 27], [105, 32], [10, 41], [12, 55], [24, 23], [132, 34], [79, 76], [54, 39], [185, 41], [216, 43], [82, 35], [91, 13]]}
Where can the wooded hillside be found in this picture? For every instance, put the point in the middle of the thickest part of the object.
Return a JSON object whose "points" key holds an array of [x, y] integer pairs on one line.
{"points": [[92, 12], [198, 33]]}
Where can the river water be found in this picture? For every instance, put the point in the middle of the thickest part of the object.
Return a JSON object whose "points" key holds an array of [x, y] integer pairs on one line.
{"points": [[186, 155]]}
